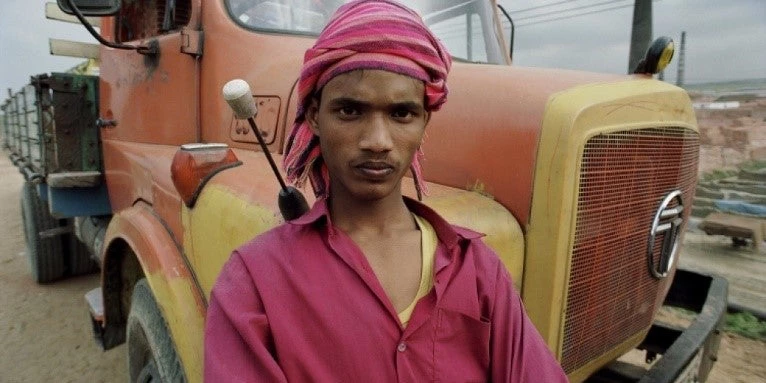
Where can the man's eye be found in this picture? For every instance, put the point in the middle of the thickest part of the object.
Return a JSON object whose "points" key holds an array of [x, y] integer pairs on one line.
{"points": [[348, 111], [403, 114]]}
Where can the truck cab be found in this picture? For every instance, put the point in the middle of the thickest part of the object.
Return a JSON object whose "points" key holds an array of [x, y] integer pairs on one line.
{"points": [[582, 182]]}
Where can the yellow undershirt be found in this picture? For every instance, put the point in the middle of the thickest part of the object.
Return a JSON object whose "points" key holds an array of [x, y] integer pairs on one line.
{"points": [[428, 240]]}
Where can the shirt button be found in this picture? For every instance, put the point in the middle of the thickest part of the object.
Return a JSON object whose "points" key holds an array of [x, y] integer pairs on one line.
{"points": [[401, 347]]}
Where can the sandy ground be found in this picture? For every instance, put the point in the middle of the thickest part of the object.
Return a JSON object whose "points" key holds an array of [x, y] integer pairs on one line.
{"points": [[45, 333], [740, 359]]}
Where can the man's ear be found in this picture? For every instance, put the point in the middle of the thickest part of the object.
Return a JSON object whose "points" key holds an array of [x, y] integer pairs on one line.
{"points": [[311, 115]]}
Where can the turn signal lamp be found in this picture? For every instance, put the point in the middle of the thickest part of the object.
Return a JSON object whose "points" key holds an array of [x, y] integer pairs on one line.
{"points": [[657, 57], [195, 164]]}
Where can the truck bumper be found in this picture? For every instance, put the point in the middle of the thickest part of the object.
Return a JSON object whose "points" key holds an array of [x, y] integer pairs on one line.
{"points": [[687, 354]]}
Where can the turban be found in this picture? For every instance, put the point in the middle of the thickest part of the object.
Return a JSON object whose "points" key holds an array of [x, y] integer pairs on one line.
{"points": [[364, 34]]}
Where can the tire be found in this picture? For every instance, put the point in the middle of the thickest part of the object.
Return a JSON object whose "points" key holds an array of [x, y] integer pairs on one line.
{"points": [[78, 260], [151, 354], [45, 253]]}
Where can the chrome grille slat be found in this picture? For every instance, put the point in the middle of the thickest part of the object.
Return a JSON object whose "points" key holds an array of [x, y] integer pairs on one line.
{"points": [[624, 176]]}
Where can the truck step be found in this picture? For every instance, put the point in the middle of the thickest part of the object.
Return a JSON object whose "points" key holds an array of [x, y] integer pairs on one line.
{"points": [[95, 301], [74, 179]]}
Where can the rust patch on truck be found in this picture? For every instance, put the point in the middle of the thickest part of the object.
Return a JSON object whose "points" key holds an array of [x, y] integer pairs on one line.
{"points": [[152, 60]]}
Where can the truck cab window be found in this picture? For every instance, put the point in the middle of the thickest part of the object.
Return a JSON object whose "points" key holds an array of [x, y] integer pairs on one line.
{"points": [[466, 27], [140, 19], [463, 35]]}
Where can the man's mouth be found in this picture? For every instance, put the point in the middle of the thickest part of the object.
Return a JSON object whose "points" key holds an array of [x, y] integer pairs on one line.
{"points": [[374, 169]]}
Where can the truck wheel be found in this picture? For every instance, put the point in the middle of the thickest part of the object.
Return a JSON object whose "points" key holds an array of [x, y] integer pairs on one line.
{"points": [[45, 253], [151, 354], [79, 259]]}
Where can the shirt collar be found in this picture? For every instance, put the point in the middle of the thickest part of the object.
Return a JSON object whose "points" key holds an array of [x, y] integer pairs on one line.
{"points": [[448, 234], [317, 211], [450, 237]]}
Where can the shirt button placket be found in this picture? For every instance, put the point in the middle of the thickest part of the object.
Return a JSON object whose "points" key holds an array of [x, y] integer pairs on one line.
{"points": [[402, 369]]}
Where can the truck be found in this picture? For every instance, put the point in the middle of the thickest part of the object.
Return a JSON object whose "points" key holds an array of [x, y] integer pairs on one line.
{"points": [[582, 182]]}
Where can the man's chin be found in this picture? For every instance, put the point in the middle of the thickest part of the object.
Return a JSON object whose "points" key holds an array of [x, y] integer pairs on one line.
{"points": [[373, 192]]}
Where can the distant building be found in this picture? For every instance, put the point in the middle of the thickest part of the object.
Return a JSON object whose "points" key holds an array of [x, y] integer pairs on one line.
{"points": [[716, 105]]}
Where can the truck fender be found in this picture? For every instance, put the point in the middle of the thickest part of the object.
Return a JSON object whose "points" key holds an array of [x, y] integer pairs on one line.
{"points": [[138, 245], [480, 212]]}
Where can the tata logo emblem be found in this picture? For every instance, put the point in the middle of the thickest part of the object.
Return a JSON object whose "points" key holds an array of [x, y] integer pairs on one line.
{"points": [[667, 221]]}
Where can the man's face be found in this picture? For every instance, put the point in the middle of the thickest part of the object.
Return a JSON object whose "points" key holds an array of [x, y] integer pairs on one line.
{"points": [[369, 123]]}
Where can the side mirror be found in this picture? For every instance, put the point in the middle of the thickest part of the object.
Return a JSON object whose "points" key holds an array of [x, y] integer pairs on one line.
{"points": [[91, 7], [82, 8], [513, 29], [657, 57]]}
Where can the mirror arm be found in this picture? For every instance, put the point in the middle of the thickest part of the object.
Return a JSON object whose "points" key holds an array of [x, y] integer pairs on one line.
{"points": [[513, 29], [142, 49], [169, 16]]}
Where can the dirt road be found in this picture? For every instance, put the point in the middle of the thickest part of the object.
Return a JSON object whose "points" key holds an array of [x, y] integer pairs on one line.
{"points": [[45, 332], [744, 268]]}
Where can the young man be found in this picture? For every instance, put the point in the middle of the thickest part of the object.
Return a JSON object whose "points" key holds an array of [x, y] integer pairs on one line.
{"points": [[369, 286]]}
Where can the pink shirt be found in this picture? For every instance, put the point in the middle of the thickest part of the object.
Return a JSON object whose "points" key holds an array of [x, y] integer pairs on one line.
{"points": [[300, 303]]}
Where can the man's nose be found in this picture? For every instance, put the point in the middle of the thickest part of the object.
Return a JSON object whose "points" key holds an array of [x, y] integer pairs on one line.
{"points": [[376, 137]]}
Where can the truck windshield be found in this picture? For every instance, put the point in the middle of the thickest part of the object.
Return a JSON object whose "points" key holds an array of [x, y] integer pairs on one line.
{"points": [[466, 27]]}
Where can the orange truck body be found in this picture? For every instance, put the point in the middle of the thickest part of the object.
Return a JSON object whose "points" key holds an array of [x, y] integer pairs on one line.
{"points": [[513, 153]]}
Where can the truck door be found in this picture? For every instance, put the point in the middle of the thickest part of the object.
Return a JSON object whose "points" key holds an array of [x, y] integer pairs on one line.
{"points": [[152, 94]]}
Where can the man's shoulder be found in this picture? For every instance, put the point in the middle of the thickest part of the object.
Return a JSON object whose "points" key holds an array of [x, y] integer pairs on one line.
{"points": [[485, 260], [484, 257], [267, 257], [279, 240]]}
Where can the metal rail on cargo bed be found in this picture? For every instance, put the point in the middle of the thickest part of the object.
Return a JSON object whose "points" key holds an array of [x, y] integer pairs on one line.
{"points": [[49, 126], [50, 129]]}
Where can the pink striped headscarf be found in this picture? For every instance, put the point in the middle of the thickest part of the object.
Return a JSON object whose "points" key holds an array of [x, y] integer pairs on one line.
{"points": [[364, 34]]}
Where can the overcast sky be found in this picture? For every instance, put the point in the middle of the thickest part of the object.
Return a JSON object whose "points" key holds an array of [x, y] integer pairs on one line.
{"points": [[725, 39]]}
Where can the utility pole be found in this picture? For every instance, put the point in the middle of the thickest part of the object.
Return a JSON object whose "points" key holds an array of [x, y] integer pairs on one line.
{"points": [[681, 59], [641, 33]]}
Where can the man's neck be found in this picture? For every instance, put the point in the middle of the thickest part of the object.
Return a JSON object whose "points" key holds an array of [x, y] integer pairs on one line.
{"points": [[382, 216]]}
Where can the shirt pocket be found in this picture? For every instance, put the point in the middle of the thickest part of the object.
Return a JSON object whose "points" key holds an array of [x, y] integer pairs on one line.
{"points": [[461, 348]]}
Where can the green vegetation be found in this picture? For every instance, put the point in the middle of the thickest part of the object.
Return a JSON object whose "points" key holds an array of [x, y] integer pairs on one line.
{"points": [[742, 323], [718, 174], [753, 165], [747, 325]]}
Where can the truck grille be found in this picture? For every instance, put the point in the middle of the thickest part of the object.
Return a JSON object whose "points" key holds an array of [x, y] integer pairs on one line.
{"points": [[624, 177]]}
